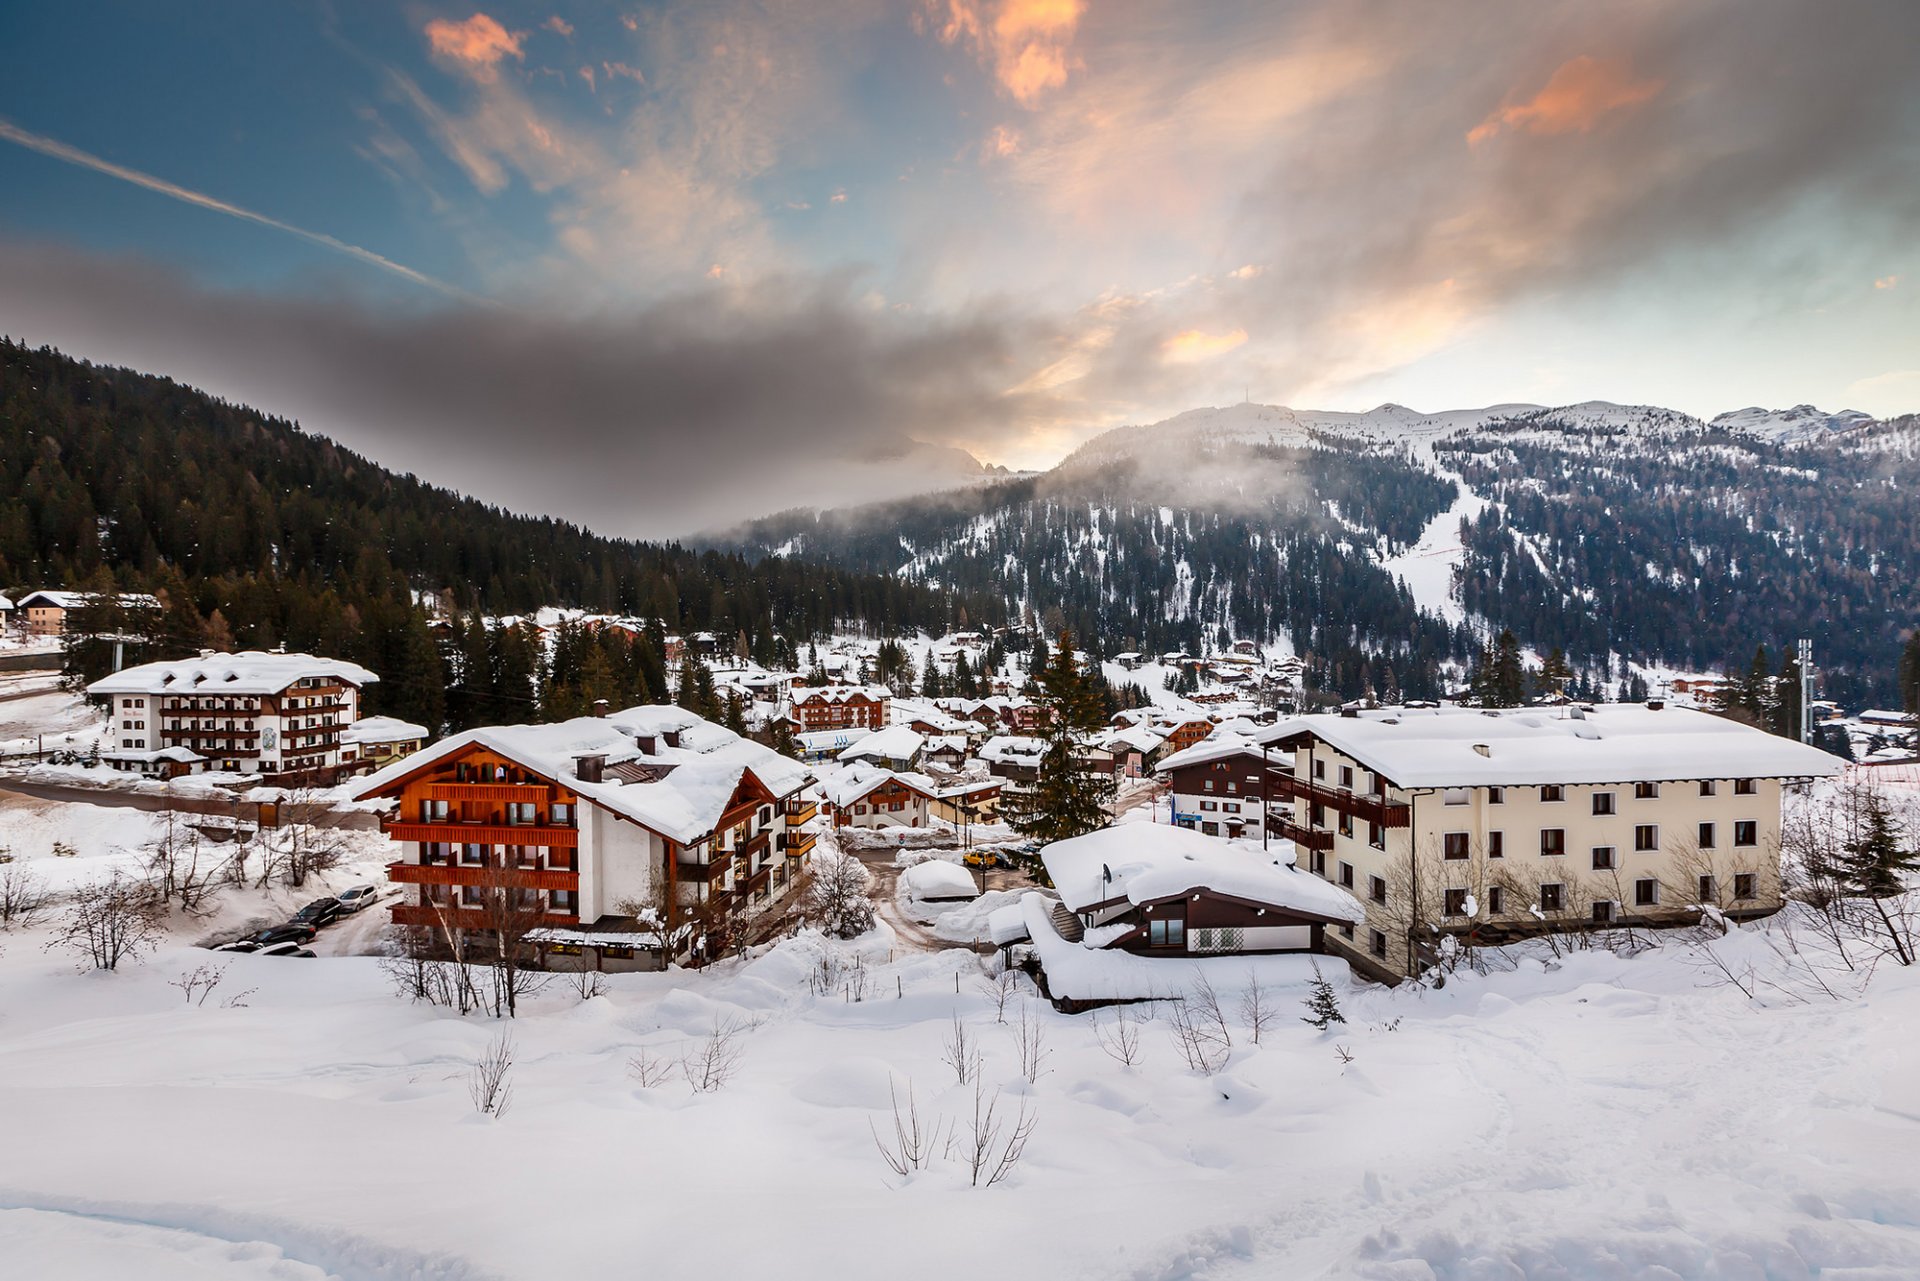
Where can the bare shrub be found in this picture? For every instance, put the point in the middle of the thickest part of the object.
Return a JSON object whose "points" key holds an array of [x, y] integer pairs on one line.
{"points": [[650, 1069], [1120, 1039], [713, 1060], [1207, 1007], [1030, 1040], [914, 1145], [837, 898], [961, 1052], [110, 921], [1343, 1053], [1001, 989], [991, 1158], [199, 982], [586, 983], [1257, 1013], [490, 1083], [1197, 1037], [302, 843], [23, 896]]}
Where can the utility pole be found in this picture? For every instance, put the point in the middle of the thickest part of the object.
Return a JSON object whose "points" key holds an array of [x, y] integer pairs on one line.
{"points": [[1806, 689]]}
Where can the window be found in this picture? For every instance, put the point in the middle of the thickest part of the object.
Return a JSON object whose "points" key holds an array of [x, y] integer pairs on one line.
{"points": [[564, 902], [1454, 845], [1232, 785], [1746, 832], [1496, 844], [1745, 885], [1456, 904], [1496, 900], [1209, 806], [1317, 814], [1346, 932], [1553, 897], [1646, 836], [1646, 892], [1374, 785], [1602, 803], [1707, 787], [1346, 823], [563, 816], [1230, 807], [1319, 769], [1318, 862], [433, 811], [1377, 943], [520, 813], [1346, 875], [1346, 777], [1602, 911], [1377, 889], [1456, 796], [1207, 783], [1166, 932], [1553, 841], [1376, 836], [472, 896], [473, 854], [1646, 791], [1496, 796], [1553, 792], [1603, 858], [1706, 836], [1709, 888], [1746, 787]]}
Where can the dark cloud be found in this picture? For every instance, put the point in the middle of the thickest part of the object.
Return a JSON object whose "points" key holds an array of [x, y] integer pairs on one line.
{"points": [[687, 415]]}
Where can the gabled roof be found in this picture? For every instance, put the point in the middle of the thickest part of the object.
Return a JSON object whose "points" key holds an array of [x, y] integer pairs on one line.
{"points": [[1607, 743], [248, 672], [74, 600], [895, 742], [383, 729], [857, 782], [1150, 862]]}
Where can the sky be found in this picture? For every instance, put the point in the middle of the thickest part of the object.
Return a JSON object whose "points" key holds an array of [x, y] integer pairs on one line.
{"points": [[657, 267]]}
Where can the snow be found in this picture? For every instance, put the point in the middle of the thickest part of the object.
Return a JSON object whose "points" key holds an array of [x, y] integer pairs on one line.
{"points": [[248, 672], [896, 742], [1148, 862], [383, 729], [936, 878]]}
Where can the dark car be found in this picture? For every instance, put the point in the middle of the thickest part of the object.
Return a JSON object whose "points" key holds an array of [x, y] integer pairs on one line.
{"points": [[239, 945], [322, 911], [286, 949], [291, 932]]}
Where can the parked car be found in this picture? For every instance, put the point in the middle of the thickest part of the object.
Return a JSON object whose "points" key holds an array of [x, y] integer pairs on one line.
{"points": [[352, 900], [322, 911], [291, 932], [239, 945], [285, 949]]}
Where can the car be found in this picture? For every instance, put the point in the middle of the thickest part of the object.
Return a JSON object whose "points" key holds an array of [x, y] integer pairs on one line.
{"points": [[322, 911], [358, 897], [239, 945], [291, 932], [285, 949]]}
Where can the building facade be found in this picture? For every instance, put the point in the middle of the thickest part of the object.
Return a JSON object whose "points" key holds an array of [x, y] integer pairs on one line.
{"points": [[840, 707]]}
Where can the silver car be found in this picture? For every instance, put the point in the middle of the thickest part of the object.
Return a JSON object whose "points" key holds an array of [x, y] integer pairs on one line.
{"points": [[352, 900]]}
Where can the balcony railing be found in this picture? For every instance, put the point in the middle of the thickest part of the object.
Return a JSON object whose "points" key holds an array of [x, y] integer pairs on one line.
{"points": [[1374, 809], [1306, 837], [798, 843], [456, 833], [469, 918], [528, 878], [536, 793], [801, 812]]}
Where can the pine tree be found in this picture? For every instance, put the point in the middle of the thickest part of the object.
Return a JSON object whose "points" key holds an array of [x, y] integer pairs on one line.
{"points": [[1877, 863], [1910, 675], [1323, 1005], [1554, 672], [1068, 799]]}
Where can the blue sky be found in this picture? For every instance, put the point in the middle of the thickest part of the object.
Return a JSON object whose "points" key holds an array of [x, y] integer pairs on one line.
{"points": [[1018, 221]]}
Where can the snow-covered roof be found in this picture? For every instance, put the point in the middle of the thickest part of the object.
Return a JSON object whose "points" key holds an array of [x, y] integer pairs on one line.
{"points": [[1148, 862], [1223, 744], [1140, 738], [683, 804], [383, 729], [5, 603], [248, 672], [861, 779], [936, 878], [1013, 749], [840, 693], [74, 600], [1612, 743], [180, 755], [895, 742]]}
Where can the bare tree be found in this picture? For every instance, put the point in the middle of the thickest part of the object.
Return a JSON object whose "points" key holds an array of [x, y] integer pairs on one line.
{"points": [[23, 895], [199, 982], [1121, 1039], [991, 1158], [1207, 1006], [1001, 988], [300, 844], [1257, 1013], [713, 1060], [914, 1145], [110, 921], [1196, 1037], [1030, 1040], [961, 1052], [837, 899], [178, 863], [650, 1069], [490, 1084]]}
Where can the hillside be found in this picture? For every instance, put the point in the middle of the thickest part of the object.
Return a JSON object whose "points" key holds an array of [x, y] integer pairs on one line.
{"points": [[1389, 542], [259, 533]]}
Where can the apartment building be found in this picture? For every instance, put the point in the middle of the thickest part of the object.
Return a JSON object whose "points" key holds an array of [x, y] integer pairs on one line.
{"points": [[251, 712], [830, 707], [44, 613], [1496, 824], [650, 824]]}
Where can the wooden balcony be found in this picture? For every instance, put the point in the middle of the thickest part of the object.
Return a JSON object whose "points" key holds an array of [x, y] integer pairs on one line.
{"points": [[564, 838], [801, 811], [799, 843], [1306, 837], [467, 918], [1374, 809], [527, 878], [521, 793]]}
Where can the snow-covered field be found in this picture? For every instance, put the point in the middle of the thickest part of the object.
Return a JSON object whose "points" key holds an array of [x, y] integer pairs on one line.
{"points": [[1593, 1116]]}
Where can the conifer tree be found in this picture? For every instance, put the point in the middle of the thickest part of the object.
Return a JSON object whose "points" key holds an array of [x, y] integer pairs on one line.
{"points": [[1877, 863], [1323, 1005], [1068, 799]]}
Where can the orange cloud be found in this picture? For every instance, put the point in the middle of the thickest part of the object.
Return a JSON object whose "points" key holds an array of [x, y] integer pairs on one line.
{"points": [[558, 25], [1002, 141], [1574, 98], [1028, 43], [480, 43], [1193, 345], [1886, 282]]}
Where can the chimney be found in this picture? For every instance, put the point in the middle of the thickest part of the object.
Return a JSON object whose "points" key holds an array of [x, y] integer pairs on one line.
{"points": [[591, 768], [601, 707], [646, 744]]}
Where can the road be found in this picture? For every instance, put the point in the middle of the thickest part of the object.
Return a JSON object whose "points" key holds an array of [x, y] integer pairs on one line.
{"points": [[118, 798]]}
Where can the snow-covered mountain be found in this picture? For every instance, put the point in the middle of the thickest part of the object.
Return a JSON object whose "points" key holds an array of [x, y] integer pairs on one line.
{"points": [[1792, 426]]}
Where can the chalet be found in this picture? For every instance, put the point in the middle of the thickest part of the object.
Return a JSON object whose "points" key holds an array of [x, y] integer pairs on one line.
{"points": [[1129, 660], [967, 802], [45, 613], [840, 707], [650, 824], [947, 751], [1449, 820], [163, 763], [897, 747], [6, 612], [251, 712], [868, 796], [1132, 750], [1162, 891], [1183, 732], [374, 741]]}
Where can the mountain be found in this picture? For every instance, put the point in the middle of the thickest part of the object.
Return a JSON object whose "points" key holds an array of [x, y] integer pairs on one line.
{"points": [[1388, 543]]}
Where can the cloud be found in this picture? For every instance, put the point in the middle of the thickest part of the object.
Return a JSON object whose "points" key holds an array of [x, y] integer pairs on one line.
{"points": [[559, 26], [478, 45], [74, 156], [1192, 345], [1026, 43], [1886, 282], [691, 413], [1580, 91]]}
